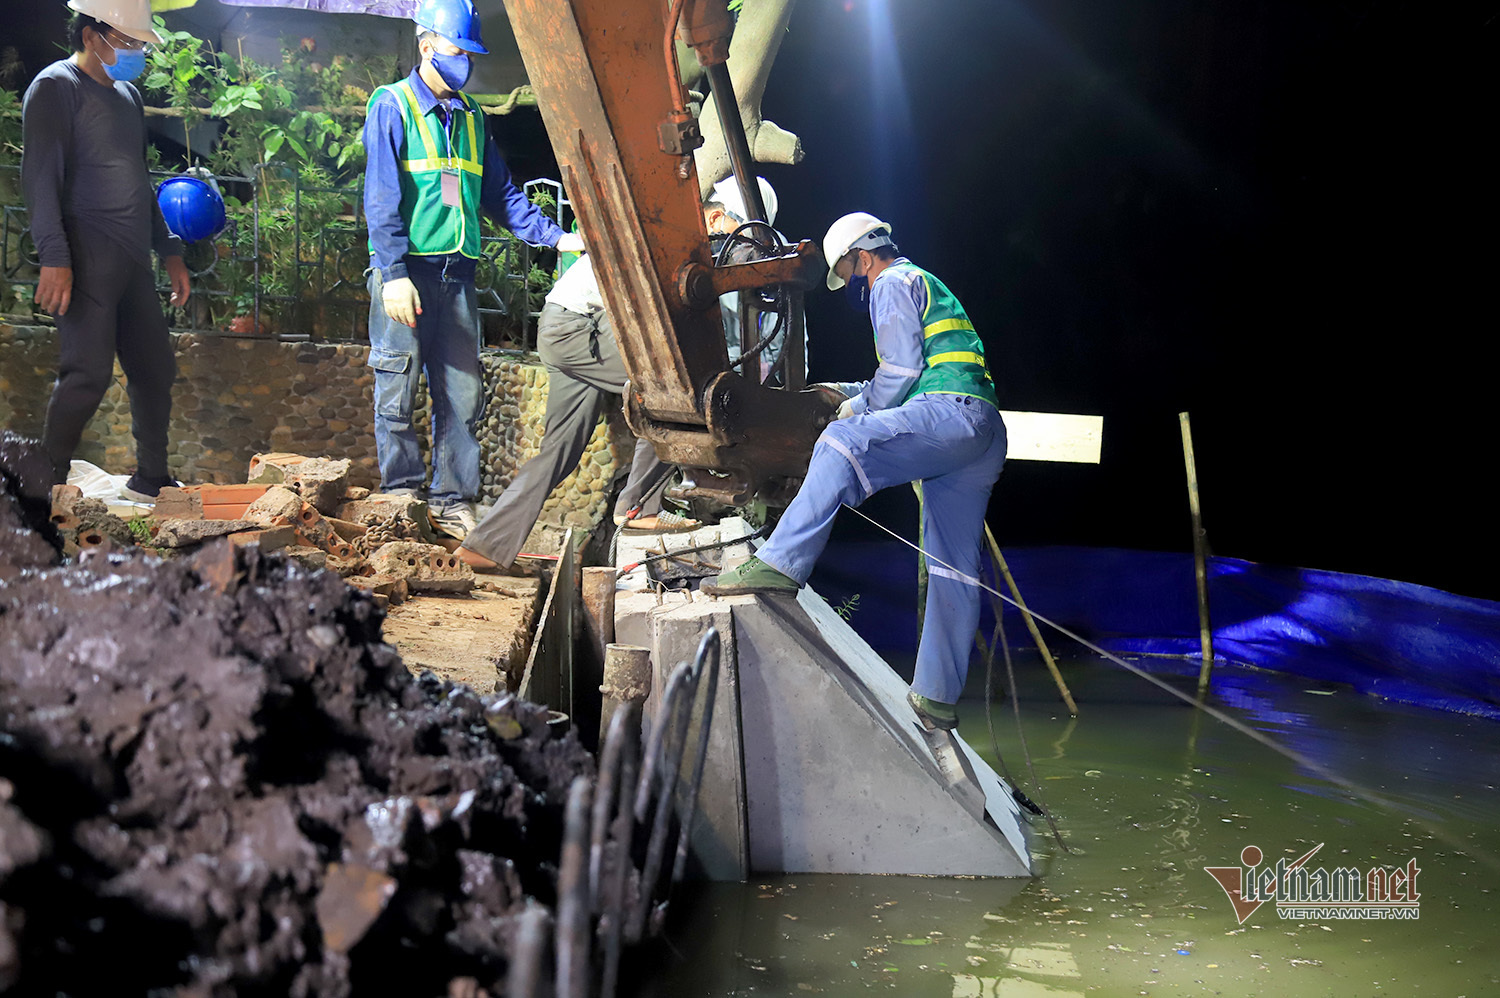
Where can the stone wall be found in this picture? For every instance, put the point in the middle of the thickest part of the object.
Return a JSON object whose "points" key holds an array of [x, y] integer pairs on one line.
{"points": [[236, 396]]}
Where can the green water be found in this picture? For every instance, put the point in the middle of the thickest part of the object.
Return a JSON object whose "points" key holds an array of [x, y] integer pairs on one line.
{"points": [[1148, 792]]}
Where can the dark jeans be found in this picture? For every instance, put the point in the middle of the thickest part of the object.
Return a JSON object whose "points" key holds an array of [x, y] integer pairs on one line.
{"points": [[115, 310]]}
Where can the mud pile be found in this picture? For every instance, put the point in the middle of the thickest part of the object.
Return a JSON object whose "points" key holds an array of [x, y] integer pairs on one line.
{"points": [[215, 779]]}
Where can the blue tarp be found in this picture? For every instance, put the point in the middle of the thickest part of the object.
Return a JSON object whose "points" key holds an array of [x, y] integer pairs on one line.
{"points": [[1393, 639]]}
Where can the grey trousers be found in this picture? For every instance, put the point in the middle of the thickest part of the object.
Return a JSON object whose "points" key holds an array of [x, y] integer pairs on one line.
{"points": [[583, 364], [114, 309]]}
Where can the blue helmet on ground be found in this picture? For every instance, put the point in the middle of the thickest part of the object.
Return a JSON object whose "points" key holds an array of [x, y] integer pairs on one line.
{"points": [[455, 20], [193, 208]]}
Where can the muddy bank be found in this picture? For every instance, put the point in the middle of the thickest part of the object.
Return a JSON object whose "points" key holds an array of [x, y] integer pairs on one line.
{"points": [[215, 779]]}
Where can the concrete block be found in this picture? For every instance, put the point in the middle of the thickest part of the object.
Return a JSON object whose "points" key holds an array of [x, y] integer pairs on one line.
{"points": [[178, 504], [271, 468], [425, 567], [313, 558], [266, 538], [394, 589], [320, 481], [277, 507], [817, 764], [182, 533]]}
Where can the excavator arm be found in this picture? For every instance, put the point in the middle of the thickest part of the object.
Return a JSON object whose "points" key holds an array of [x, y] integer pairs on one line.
{"points": [[613, 104]]}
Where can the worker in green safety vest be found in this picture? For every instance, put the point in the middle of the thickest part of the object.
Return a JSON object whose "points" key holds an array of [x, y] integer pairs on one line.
{"points": [[431, 165], [928, 415]]}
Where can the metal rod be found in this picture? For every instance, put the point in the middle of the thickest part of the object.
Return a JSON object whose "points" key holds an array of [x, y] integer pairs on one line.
{"points": [[524, 978], [572, 931], [621, 832], [734, 139], [708, 651], [1200, 554], [1036, 634]]}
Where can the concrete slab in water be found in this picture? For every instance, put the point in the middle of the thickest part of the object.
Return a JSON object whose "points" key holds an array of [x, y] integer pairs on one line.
{"points": [[816, 762]]}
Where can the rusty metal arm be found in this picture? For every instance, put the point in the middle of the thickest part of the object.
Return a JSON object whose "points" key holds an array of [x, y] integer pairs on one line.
{"points": [[612, 111]]}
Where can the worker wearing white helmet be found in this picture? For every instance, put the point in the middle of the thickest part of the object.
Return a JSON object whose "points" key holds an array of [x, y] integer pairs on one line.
{"points": [[724, 212], [95, 221], [928, 415]]}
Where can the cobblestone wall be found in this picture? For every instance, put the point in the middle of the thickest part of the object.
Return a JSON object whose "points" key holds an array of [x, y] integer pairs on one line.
{"points": [[237, 396]]}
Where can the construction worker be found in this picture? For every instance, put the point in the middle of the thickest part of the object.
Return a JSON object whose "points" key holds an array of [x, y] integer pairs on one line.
{"points": [[577, 345], [727, 198], [431, 165], [578, 350], [928, 415], [95, 221]]}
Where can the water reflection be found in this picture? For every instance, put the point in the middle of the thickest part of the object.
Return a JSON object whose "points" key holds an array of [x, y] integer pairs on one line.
{"points": [[1147, 794]]}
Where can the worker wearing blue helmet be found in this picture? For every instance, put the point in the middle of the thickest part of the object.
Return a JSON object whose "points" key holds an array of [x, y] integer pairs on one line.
{"points": [[431, 165], [928, 415]]}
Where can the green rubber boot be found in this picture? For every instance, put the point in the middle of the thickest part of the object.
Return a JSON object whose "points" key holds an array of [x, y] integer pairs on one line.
{"points": [[934, 713], [754, 576]]}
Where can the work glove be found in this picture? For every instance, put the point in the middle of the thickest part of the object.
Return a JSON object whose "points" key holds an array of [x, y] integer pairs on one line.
{"points": [[569, 242], [401, 301], [846, 409]]}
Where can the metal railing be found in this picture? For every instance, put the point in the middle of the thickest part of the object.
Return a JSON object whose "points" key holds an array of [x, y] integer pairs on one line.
{"points": [[293, 266]]}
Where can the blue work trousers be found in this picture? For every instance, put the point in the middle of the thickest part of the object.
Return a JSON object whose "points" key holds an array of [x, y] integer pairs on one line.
{"points": [[445, 343], [955, 446]]}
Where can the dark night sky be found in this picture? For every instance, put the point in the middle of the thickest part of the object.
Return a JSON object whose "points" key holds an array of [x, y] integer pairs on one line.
{"points": [[1273, 215], [1276, 215]]}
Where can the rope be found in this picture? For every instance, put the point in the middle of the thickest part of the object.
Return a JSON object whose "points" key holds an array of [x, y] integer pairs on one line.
{"points": [[1467, 848], [1015, 700]]}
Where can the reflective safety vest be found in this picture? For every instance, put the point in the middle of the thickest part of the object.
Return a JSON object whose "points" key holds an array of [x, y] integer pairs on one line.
{"points": [[433, 228], [952, 353]]}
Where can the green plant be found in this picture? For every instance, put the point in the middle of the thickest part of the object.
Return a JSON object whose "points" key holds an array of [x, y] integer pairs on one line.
{"points": [[10, 126], [848, 607]]}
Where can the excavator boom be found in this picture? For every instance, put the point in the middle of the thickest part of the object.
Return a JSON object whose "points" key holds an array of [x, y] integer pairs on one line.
{"points": [[613, 107]]}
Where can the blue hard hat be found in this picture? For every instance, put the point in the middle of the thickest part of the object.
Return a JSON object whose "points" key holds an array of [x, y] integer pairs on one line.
{"points": [[455, 20], [193, 208]]}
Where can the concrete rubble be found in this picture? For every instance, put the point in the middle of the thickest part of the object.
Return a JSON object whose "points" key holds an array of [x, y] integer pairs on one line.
{"points": [[303, 505], [216, 779]]}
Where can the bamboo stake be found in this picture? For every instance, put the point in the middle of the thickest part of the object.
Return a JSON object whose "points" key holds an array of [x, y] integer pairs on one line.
{"points": [[1200, 556], [1036, 634]]}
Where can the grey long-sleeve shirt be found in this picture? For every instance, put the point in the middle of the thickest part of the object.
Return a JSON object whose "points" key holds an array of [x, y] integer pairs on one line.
{"points": [[83, 167]]}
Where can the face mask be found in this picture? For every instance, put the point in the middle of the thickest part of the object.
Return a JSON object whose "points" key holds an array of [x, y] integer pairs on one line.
{"points": [[129, 63], [857, 292], [452, 69]]}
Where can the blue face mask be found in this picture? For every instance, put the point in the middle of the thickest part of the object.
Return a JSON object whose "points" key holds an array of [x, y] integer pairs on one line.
{"points": [[857, 293], [129, 63], [453, 69]]}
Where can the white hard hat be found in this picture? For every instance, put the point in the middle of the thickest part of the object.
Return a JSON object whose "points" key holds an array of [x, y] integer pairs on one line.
{"points": [[130, 17], [856, 230], [727, 193]]}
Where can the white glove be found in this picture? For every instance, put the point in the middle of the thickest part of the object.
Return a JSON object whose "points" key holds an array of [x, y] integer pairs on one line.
{"points": [[846, 409], [401, 301], [569, 242]]}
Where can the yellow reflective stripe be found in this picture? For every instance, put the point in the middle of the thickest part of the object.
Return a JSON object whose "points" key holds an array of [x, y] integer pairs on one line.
{"points": [[404, 88], [928, 307], [956, 357], [474, 150], [425, 165], [946, 326]]}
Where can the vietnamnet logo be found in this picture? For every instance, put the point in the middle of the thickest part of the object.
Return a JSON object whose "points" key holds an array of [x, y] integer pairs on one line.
{"points": [[1314, 894]]}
